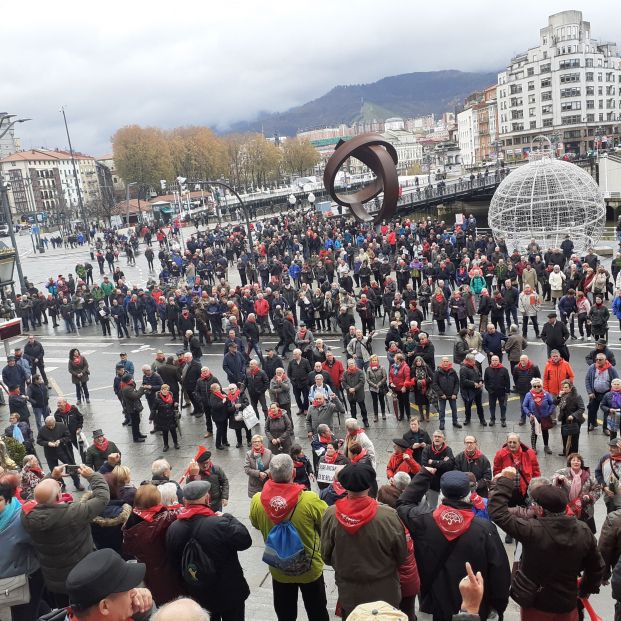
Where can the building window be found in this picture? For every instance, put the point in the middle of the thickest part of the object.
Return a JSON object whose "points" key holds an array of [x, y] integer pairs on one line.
{"points": [[533, 125], [531, 86], [545, 68], [532, 99], [573, 63], [546, 109], [590, 118], [570, 120], [531, 111], [590, 90], [570, 92], [546, 83], [590, 104], [531, 71], [570, 77], [588, 63]]}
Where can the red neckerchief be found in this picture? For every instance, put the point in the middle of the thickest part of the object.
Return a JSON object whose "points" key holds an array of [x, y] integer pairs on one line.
{"points": [[330, 459], [315, 403], [354, 513], [447, 366], [452, 522], [302, 332], [219, 395], [205, 375], [477, 502], [77, 359], [338, 489], [259, 451], [254, 371], [356, 433], [469, 363], [274, 415], [279, 499], [439, 297], [233, 396], [168, 398], [538, 397], [187, 513], [438, 451], [477, 453], [374, 366], [615, 458], [148, 515], [603, 368], [102, 446], [325, 439], [497, 366], [356, 458], [352, 370], [529, 364], [67, 408]]}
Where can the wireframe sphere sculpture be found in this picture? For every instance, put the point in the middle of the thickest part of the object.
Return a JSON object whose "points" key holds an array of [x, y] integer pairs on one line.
{"points": [[546, 200]]}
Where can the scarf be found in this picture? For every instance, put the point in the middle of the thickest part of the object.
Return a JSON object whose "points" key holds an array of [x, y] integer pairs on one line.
{"points": [[77, 360], [17, 433], [205, 375], [219, 395], [538, 397], [352, 370], [447, 366], [477, 453], [477, 502], [529, 364], [469, 363], [254, 371], [67, 408], [102, 446], [496, 366], [274, 415], [148, 515], [279, 499], [233, 396], [354, 513], [356, 458], [439, 297], [576, 485], [187, 513], [325, 439], [603, 368], [438, 451], [452, 522], [330, 459], [9, 511], [168, 398], [374, 365]]}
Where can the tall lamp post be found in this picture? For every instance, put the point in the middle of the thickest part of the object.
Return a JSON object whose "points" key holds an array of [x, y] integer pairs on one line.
{"points": [[241, 203], [4, 188]]}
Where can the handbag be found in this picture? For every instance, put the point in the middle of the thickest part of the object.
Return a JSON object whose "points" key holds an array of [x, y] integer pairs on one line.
{"points": [[14, 591], [547, 422], [523, 590]]}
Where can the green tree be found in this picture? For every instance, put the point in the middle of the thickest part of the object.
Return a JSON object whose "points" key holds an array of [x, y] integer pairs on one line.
{"points": [[299, 156]]}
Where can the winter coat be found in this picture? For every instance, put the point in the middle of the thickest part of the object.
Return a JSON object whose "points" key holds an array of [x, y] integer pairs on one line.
{"points": [[545, 410], [570, 405], [255, 483], [335, 370], [556, 549], [368, 570], [279, 429], [61, 533], [554, 335], [492, 343], [437, 459], [356, 381], [479, 544], [460, 350], [95, 458], [323, 415], [164, 414], [221, 537], [526, 459], [73, 419], [280, 392], [590, 378], [62, 453], [468, 377], [522, 377], [297, 372], [399, 378], [445, 382], [18, 554], [106, 528], [145, 541], [480, 467], [589, 488], [418, 437], [234, 366], [377, 379], [257, 384], [220, 411], [203, 388], [497, 381], [76, 369], [514, 345], [554, 373], [219, 485]]}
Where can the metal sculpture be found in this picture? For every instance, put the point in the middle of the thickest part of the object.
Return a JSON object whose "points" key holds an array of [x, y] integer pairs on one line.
{"points": [[381, 158]]}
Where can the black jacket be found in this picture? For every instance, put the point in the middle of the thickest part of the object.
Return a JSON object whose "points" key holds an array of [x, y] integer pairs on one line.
{"points": [[468, 377], [202, 390], [191, 375], [73, 419], [440, 569], [522, 377], [554, 336], [298, 373], [445, 382], [480, 467], [497, 381], [439, 461], [220, 412], [427, 353], [257, 384], [270, 364], [221, 538]]}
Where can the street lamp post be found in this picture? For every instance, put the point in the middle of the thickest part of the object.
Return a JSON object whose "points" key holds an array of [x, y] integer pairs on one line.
{"points": [[6, 210]]}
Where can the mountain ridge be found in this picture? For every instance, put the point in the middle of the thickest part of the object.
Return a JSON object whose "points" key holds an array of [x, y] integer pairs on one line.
{"points": [[404, 95]]}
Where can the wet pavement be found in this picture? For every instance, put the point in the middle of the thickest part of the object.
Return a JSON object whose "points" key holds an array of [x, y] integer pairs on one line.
{"points": [[104, 412]]}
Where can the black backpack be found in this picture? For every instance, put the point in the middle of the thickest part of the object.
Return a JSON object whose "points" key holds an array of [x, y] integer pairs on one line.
{"points": [[197, 568]]}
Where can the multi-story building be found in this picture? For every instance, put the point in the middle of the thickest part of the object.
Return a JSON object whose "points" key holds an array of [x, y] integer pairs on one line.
{"points": [[568, 88], [43, 180], [477, 127], [117, 183], [9, 143]]}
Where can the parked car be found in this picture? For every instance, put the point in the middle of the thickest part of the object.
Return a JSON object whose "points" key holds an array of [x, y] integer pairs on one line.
{"points": [[4, 230]]}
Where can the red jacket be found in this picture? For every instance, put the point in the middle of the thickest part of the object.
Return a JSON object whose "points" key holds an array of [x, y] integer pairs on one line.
{"points": [[262, 308], [396, 463], [335, 372], [526, 459], [401, 378], [408, 571]]}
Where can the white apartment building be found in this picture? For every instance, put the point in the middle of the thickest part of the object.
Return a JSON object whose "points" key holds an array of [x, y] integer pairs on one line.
{"points": [[567, 88], [43, 180], [468, 135]]}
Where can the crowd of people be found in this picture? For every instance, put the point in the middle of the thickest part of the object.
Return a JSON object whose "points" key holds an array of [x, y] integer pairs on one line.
{"points": [[413, 531]]}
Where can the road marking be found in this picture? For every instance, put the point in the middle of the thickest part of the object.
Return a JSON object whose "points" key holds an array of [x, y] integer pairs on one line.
{"points": [[56, 388]]}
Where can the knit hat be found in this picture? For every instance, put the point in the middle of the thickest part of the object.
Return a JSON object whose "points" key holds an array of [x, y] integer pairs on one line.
{"points": [[455, 484]]}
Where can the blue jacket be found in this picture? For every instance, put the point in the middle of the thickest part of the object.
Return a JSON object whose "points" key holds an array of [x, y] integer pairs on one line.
{"points": [[590, 378], [18, 555], [492, 343], [543, 411], [234, 366], [616, 307]]}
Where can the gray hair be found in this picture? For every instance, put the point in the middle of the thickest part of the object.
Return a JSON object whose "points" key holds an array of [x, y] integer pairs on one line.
{"points": [[323, 428], [470, 357], [401, 480], [351, 423], [146, 367], [513, 329], [49, 419], [159, 467], [281, 468], [168, 492], [536, 482]]}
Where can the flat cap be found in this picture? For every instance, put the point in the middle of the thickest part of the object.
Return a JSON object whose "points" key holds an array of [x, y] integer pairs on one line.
{"points": [[196, 490], [455, 484]]}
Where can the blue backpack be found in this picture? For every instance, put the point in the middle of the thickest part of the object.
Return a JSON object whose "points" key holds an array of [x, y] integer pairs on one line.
{"points": [[285, 551]]}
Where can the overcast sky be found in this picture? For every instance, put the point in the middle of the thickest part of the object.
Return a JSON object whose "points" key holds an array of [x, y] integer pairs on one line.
{"points": [[178, 63]]}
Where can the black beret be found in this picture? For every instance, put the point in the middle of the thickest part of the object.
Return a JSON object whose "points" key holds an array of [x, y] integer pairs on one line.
{"points": [[357, 477], [400, 442], [206, 456], [551, 498], [455, 484]]}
